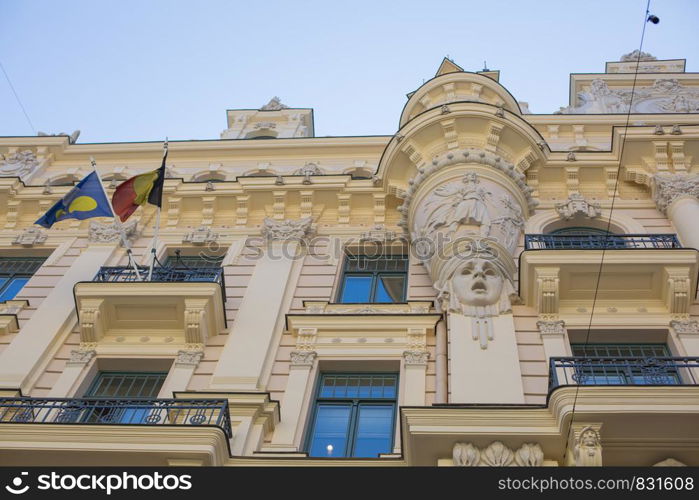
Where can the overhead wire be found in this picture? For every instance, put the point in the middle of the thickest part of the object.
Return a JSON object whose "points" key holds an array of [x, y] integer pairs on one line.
{"points": [[19, 101]]}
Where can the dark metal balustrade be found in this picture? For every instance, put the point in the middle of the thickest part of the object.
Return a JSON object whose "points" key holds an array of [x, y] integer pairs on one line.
{"points": [[599, 241], [164, 274], [623, 371], [100, 411]]}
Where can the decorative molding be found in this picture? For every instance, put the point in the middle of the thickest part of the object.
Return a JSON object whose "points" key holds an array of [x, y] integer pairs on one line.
{"points": [[99, 232], [578, 205], [497, 455], [413, 307], [274, 104], [685, 326], [287, 229], [30, 237], [200, 236], [551, 327], [637, 55], [20, 164], [378, 234], [671, 187], [666, 95], [309, 169], [303, 358]]}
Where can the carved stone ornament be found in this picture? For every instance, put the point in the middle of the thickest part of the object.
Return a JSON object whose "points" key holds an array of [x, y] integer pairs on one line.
{"points": [[578, 205], [200, 236], [687, 326], [637, 55], [670, 187], [20, 164], [553, 327], [303, 358], [274, 104], [100, 232], [379, 234], [587, 447], [670, 462], [287, 229], [82, 356], [267, 125], [666, 95], [309, 169], [497, 455], [416, 357], [30, 237], [189, 357]]}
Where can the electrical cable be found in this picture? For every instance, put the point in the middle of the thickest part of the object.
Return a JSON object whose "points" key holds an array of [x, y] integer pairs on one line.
{"points": [[19, 101]]}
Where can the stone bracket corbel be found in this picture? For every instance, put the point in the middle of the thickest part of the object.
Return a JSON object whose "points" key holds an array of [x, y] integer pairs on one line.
{"points": [[547, 290], [195, 316], [586, 448], [90, 314], [678, 296]]}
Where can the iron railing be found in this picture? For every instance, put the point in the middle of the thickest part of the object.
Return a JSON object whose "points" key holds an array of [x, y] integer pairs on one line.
{"points": [[101, 411], [623, 371], [599, 241], [164, 274]]}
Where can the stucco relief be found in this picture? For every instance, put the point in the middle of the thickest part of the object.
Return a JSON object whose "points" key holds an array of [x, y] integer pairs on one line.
{"points": [[497, 454], [576, 204], [587, 448], [20, 164], [287, 229], [670, 187], [666, 95]]}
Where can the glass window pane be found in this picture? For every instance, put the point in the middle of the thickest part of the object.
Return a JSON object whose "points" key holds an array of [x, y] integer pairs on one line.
{"points": [[13, 288], [330, 431], [356, 289], [390, 288], [374, 430]]}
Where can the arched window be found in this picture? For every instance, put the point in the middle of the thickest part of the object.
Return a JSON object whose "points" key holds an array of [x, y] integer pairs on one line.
{"points": [[584, 237], [580, 230]]}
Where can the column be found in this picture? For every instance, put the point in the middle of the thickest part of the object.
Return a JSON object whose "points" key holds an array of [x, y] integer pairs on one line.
{"points": [[292, 404], [182, 370], [250, 347], [77, 365], [33, 345], [678, 196]]}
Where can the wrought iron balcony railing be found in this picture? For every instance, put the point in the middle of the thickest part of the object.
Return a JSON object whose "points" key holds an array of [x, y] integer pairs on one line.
{"points": [[164, 274], [623, 371], [599, 241], [100, 411]]}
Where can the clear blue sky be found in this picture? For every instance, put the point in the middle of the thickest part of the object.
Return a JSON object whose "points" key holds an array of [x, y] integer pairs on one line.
{"points": [[142, 70]]}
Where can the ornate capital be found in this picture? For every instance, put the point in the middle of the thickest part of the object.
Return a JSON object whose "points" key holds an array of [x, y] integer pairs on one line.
{"points": [[190, 357], [30, 237], [303, 358], [99, 232], [83, 355], [551, 327], [200, 236], [686, 326], [280, 230], [671, 187], [416, 357], [587, 445], [578, 205], [497, 455]]}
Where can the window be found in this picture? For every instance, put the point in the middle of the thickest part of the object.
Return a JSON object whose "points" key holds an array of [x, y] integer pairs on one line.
{"points": [[354, 415], [123, 385], [14, 274], [624, 364], [369, 279]]}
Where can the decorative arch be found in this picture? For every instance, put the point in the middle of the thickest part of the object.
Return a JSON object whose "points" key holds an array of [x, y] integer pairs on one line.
{"points": [[64, 179], [209, 176], [549, 220]]}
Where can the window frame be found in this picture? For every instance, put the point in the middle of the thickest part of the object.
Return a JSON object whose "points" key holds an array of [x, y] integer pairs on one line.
{"points": [[374, 274], [355, 404], [13, 275]]}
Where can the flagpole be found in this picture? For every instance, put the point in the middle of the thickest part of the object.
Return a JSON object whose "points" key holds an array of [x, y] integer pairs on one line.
{"points": [[117, 222], [157, 225]]}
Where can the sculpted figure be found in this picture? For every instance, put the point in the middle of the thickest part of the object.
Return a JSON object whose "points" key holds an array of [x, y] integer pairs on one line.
{"points": [[457, 205], [588, 448]]}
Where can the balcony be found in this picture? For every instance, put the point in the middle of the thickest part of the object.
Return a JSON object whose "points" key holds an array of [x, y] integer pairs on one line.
{"points": [[599, 241], [103, 432], [627, 276], [177, 306], [583, 370]]}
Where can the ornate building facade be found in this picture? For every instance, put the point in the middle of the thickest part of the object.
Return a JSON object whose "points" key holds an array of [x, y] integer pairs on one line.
{"points": [[484, 287]]}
